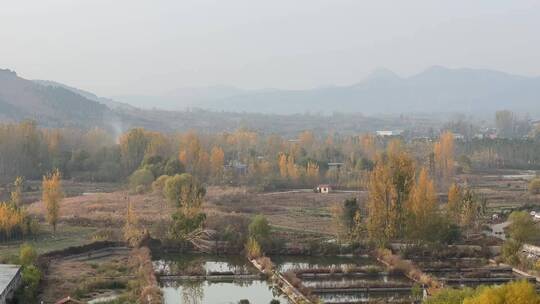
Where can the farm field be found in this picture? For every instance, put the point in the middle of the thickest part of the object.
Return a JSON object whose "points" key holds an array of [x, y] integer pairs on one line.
{"points": [[292, 211]]}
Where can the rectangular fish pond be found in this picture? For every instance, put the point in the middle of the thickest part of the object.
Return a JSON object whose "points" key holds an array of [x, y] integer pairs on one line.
{"points": [[208, 279]]}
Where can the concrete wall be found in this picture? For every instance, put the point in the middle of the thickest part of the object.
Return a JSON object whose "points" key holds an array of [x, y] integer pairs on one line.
{"points": [[11, 287]]}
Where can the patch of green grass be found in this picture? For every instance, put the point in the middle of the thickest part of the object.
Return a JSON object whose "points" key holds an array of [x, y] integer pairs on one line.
{"points": [[45, 241]]}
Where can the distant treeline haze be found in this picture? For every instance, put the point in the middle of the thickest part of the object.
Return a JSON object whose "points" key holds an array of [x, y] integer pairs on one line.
{"points": [[241, 157]]}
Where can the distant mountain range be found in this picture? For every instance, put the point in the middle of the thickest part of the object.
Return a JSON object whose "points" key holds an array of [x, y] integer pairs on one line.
{"points": [[56, 105], [437, 89]]}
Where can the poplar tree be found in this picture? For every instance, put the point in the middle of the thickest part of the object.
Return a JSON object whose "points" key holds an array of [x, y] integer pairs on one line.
{"points": [[52, 195]]}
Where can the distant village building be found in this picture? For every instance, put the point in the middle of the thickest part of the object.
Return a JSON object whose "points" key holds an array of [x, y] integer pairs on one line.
{"points": [[238, 167], [325, 189], [10, 281], [335, 165], [386, 133], [458, 136]]}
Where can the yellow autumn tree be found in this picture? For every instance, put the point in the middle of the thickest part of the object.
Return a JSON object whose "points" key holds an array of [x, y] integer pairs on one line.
{"points": [[190, 146], [282, 163], [131, 226], [389, 186], [421, 207], [217, 159], [52, 195], [369, 147], [202, 168], [402, 169], [453, 207], [292, 170], [16, 194], [520, 292], [306, 139], [381, 204], [312, 172], [158, 145], [12, 220], [443, 151]]}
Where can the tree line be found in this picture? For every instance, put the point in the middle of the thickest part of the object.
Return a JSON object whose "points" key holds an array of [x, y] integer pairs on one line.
{"points": [[241, 157]]}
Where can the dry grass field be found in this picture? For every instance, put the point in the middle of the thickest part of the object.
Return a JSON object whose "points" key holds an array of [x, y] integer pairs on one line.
{"points": [[503, 189], [303, 210], [86, 278]]}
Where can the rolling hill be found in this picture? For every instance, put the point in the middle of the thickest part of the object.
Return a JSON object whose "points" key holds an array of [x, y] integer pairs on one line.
{"points": [[437, 89], [50, 106]]}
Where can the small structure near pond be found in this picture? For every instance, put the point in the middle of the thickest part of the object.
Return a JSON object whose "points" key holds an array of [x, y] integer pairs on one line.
{"points": [[325, 189], [10, 280]]}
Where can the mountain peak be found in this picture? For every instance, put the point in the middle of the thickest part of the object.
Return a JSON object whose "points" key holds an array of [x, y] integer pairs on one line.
{"points": [[8, 72], [382, 73]]}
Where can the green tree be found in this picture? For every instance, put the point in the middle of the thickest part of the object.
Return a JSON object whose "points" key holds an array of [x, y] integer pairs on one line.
{"points": [[184, 224], [184, 190], [31, 276], [141, 178], [173, 167], [133, 145], [522, 227], [534, 186], [260, 229]]}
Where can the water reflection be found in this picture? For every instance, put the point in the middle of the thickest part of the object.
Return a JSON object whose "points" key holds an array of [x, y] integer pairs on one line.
{"points": [[206, 292], [200, 265]]}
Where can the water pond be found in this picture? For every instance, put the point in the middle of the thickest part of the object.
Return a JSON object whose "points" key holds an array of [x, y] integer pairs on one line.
{"points": [[196, 279], [177, 289]]}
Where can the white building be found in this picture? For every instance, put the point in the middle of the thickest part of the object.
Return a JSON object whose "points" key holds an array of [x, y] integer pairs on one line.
{"points": [[10, 280], [324, 189], [385, 133]]}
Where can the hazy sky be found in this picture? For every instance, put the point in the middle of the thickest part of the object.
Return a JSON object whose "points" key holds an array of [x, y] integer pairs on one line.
{"points": [[115, 47]]}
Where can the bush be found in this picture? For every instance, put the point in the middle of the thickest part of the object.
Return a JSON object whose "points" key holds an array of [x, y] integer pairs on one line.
{"points": [[27, 255], [520, 292], [141, 177], [173, 167], [31, 276], [159, 184], [534, 186], [253, 249], [105, 234], [450, 296], [183, 189], [510, 251]]}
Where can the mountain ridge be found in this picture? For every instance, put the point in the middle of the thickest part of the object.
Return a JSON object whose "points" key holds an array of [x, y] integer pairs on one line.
{"points": [[435, 89]]}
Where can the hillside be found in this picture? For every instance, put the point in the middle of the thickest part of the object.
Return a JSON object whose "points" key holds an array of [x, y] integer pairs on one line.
{"points": [[50, 106], [436, 89], [112, 104]]}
